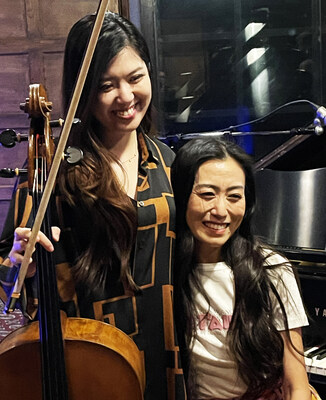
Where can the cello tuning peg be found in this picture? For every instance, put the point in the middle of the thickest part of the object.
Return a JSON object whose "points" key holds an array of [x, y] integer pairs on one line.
{"points": [[8, 138], [22, 106], [11, 173], [55, 123], [73, 155], [76, 121]]}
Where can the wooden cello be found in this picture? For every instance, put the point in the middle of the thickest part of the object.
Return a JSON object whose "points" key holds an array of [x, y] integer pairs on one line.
{"points": [[58, 358]]}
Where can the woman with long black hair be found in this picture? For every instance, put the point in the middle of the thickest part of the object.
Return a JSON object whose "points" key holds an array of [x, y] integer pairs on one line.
{"points": [[237, 304], [114, 208]]}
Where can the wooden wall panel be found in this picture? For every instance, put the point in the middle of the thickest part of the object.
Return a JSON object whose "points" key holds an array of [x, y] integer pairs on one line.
{"points": [[32, 40], [53, 63], [58, 16], [65, 12], [14, 78], [12, 19]]}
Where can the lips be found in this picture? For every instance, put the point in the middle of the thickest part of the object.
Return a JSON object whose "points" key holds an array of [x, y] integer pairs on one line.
{"points": [[126, 113], [215, 226]]}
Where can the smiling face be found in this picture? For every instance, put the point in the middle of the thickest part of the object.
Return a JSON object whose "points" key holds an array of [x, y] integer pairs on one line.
{"points": [[216, 206], [124, 95]]}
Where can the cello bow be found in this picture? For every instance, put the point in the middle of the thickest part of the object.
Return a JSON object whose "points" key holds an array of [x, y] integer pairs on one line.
{"points": [[15, 294]]}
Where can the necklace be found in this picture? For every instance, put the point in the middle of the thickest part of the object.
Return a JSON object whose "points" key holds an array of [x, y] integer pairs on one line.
{"points": [[129, 159]]}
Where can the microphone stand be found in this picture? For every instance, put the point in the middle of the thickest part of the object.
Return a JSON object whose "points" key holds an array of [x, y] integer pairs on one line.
{"points": [[300, 135], [316, 130]]}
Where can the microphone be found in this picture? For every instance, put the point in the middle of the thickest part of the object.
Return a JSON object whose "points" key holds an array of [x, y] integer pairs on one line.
{"points": [[321, 114], [320, 120]]}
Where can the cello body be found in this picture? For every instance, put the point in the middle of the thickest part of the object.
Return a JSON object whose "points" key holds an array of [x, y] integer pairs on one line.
{"points": [[102, 362]]}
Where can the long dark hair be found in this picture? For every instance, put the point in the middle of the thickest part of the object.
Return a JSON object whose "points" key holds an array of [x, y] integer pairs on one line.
{"points": [[255, 343], [91, 185]]}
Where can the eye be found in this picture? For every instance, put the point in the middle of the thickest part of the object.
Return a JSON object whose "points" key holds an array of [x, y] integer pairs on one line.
{"points": [[235, 196], [106, 87], [207, 195], [136, 78]]}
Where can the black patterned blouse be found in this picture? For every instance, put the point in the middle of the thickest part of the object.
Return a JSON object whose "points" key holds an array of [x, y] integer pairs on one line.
{"points": [[146, 317]]}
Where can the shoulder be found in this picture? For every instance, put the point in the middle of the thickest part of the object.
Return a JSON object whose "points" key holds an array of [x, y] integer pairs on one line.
{"points": [[277, 265], [272, 258], [160, 150], [279, 268]]}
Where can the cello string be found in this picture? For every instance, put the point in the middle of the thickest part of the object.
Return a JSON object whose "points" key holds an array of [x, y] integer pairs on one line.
{"points": [[54, 381]]}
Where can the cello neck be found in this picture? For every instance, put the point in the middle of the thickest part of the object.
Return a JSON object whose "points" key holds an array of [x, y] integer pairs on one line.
{"points": [[54, 380]]}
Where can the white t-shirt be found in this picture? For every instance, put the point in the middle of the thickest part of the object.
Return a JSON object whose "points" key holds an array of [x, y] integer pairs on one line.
{"points": [[216, 373]]}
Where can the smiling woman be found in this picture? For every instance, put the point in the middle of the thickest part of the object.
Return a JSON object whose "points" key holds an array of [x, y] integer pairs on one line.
{"points": [[123, 98], [115, 208], [237, 303], [122, 101], [216, 206]]}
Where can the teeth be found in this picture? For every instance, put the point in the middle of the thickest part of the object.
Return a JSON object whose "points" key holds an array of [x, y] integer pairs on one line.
{"points": [[216, 226], [126, 112]]}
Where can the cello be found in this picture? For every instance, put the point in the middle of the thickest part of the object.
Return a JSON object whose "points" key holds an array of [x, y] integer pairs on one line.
{"points": [[61, 351]]}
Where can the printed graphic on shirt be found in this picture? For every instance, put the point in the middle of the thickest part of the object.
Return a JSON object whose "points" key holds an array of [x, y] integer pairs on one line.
{"points": [[212, 323]]}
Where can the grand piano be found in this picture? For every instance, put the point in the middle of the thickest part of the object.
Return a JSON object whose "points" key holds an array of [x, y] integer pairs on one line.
{"points": [[291, 216]]}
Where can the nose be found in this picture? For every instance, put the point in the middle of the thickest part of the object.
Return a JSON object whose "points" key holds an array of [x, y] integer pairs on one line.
{"points": [[125, 93], [218, 207]]}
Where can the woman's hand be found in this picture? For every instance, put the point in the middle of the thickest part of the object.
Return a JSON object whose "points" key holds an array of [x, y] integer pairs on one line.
{"points": [[21, 238]]}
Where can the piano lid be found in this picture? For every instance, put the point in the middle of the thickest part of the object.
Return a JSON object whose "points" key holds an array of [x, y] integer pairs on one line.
{"points": [[291, 209]]}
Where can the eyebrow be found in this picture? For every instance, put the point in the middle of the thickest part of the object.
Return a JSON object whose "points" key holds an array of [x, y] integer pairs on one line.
{"points": [[201, 185], [138, 69]]}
